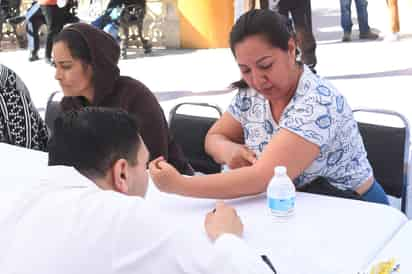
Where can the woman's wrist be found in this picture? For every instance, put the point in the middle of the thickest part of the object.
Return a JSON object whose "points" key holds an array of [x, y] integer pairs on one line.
{"points": [[226, 151], [184, 186], [219, 147]]}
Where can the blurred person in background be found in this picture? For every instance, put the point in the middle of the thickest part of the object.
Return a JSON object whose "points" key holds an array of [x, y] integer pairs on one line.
{"points": [[34, 20], [365, 32], [301, 25]]}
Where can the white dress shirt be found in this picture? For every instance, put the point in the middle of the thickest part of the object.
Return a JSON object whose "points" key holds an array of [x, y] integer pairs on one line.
{"points": [[57, 221]]}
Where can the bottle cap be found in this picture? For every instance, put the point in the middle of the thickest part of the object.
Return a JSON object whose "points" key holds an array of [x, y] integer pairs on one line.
{"points": [[280, 170]]}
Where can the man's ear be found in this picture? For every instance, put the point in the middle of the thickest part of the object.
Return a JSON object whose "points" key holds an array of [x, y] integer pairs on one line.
{"points": [[120, 176]]}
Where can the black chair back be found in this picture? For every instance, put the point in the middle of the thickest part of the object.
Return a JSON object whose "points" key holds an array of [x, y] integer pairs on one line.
{"points": [[385, 153], [388, 153], [189, 131], [53, 109]]}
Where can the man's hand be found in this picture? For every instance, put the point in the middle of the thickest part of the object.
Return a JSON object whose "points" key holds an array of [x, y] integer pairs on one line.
{"points": [[164, 175], [222, 220], [240, 156]]}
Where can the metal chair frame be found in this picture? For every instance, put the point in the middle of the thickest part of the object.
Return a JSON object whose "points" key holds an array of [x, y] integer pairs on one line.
{"points": [[197, 157], [403, 195], [52, 110]]}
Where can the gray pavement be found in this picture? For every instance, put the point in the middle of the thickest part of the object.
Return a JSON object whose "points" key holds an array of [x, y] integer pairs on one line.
{"points": [[374, 74]]}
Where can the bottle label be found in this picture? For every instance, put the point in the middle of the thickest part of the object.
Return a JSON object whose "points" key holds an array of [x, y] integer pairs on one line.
{"points": [[281, 204]]}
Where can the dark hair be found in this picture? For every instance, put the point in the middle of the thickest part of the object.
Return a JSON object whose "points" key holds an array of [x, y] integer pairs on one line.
{"points": [[92, 139], [76, 44], [269, 24]]}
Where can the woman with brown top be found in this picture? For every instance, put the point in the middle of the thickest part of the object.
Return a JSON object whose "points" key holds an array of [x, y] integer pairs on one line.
{"points": [[86, 61]]}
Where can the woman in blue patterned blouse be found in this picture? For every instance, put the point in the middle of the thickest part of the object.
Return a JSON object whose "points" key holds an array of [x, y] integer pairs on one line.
{"points": [[283, 114]]}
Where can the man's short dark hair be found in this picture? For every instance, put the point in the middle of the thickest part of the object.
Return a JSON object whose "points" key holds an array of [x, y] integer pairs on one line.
{"points": [[92, 139]]}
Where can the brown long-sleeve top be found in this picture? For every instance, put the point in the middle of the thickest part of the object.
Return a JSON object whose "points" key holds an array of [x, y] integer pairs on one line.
{"points": [[113, 90]]}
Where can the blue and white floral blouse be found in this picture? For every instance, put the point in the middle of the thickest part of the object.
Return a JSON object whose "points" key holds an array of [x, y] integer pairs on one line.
{"points": [[318, 113]]}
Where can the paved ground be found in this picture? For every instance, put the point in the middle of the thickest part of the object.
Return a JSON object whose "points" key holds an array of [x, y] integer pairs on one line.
{"points": [[372, 74]]}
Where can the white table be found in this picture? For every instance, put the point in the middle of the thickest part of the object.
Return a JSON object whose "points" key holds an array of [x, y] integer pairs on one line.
{"points": [[399, 248], [326, 235], [12, 155], [18, 165]]}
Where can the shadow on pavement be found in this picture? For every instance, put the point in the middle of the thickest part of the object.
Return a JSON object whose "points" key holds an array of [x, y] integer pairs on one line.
{"points": [[327, 28], [326, 25], [171, 95], [389, 73], [133, 52]]}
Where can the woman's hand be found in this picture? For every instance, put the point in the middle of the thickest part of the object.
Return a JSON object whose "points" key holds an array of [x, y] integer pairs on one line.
{"points": [[224, 142], [164, 175], [239, 156]]}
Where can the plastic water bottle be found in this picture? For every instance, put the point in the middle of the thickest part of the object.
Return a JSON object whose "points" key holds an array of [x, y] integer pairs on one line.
{"points": [[281, 193]]}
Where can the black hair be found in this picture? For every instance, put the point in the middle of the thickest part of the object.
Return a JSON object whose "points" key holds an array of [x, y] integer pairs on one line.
{"points": [[76, 44], [271, 25], [92, 139]]}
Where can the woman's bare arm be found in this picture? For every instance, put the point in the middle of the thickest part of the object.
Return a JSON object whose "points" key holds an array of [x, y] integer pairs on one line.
{"points": [[224, 142], [285, 148]]}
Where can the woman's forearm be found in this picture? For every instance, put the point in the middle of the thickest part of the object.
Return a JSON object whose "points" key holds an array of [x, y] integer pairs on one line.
{"points": [[218, 146], [231, 184]]}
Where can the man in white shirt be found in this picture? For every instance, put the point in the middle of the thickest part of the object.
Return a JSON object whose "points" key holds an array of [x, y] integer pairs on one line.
{"points": [[96, 220]]}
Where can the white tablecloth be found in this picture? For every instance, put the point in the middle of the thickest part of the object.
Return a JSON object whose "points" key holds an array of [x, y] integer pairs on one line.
{"points": [[326, 235], [398, 248], [18, 165], [12, 155]]}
